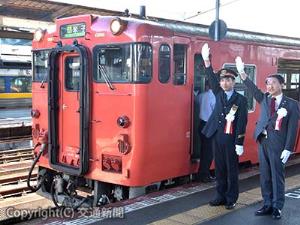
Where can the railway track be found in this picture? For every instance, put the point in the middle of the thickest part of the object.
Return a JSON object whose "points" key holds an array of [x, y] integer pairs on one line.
{"points": [[9, 143], [15, 139], [14, 155], [13, 177]]}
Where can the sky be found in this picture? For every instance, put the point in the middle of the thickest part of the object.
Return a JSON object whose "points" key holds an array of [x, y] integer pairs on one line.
{"points": [[265, 16]]}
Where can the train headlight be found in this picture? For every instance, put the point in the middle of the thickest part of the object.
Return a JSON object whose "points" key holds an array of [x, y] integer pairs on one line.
{"points": [[38, 34], [123, 121], [117, 26]]}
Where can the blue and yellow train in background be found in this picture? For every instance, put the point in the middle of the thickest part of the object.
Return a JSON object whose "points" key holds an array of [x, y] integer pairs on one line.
{"points": [[15, 73]]}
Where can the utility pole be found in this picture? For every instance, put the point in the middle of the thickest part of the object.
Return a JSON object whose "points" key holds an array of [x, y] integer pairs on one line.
{"points": [[217, 36]]}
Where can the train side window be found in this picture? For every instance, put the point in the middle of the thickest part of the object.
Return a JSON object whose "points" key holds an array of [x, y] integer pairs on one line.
{"points": [[2, 84], [164, 62], [72, 73], [40, 65], [179, 64], [290, 69], [240, 87]]}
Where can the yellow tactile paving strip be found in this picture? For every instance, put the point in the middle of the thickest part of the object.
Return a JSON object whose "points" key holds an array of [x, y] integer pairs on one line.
{"points": [[206, 212]]}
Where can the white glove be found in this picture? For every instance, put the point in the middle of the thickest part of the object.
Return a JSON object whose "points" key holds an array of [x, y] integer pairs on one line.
{"points": [[239, 65], [239, 149], [285, 156], [230, 117], [205, 52]]}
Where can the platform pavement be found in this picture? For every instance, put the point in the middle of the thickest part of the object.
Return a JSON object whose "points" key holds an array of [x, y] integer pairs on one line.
{"points": [[12, 118], [189, 205]]}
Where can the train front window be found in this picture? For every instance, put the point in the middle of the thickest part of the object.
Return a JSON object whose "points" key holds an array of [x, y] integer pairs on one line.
{"points": [[124, 63], [40, 65], [20, 85], [72, 73], [143, 63]]}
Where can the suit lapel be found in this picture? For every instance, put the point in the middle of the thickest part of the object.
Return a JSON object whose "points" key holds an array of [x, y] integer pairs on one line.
{"points": [[283, 103]]}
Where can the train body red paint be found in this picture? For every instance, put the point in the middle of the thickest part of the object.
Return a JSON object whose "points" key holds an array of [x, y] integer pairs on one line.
{"points": [[118, 109]]}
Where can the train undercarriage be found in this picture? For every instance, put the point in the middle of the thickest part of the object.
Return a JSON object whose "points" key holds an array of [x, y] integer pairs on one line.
{"points": [[76, 192]]}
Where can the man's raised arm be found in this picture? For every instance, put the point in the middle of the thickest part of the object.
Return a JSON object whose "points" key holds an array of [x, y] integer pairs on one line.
{"points": [[257, 93], [212, 78]]}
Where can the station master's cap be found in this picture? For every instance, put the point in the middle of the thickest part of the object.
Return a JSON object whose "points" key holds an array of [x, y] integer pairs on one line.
{"points": [[223, 73], [277, 76]]}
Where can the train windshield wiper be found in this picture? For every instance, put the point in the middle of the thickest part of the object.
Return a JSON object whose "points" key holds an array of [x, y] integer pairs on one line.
{"points": [[103, 71]]}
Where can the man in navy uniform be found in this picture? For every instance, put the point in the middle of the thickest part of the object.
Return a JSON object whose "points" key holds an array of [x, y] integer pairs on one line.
{"points": [[275, 132], [226, 126]]}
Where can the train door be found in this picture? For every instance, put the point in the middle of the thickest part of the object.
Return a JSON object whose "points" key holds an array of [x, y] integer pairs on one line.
{"points": [[68, 114], [290, 69], [199, 82], [69, 109]]}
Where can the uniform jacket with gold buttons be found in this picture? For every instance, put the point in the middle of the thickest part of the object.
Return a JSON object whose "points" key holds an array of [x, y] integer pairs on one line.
{"points": [[217, 121]]}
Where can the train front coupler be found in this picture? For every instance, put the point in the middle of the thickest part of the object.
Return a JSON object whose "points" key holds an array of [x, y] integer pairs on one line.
{"points": [[64, 192]]}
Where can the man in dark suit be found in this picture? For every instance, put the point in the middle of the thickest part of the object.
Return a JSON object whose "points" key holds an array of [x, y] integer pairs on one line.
{"points": [[275, 132], [226, 126]]}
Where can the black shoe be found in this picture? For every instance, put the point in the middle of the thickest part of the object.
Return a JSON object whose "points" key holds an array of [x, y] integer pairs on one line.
{"points": [[207, 179], [229, 205], [265, 210], [217, 202], [276, 215], [195, 160]]}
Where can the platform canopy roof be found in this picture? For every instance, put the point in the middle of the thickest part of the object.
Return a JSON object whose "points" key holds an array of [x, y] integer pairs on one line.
{"points": [[43, 10]]}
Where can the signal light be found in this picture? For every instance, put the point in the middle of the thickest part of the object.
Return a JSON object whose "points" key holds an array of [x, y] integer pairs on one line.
{"points": [[112, 163], [116, 165], [117, 26]]}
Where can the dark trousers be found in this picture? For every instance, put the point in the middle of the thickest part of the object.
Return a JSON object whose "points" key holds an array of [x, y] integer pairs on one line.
{"points": [[226, 163], [206, 153], [271, 172]]}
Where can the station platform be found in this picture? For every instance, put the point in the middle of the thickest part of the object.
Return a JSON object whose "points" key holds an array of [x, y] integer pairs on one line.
{"points": [[15, 117], [188, 204], [15, 128], [15, 113]]}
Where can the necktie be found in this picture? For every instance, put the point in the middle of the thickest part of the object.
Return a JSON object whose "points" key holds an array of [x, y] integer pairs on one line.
{"points": [[272, 106], [225, 97]]}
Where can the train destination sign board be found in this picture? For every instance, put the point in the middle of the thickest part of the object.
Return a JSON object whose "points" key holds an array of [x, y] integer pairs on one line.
{"points": [[72, 30]]}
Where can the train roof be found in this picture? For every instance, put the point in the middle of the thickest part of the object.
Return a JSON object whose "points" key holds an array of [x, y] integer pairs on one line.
{"points": [[233, 34], [193, 29]]}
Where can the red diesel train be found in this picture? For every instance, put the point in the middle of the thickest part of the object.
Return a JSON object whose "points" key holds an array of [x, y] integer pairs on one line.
{"points": [[113, 101]]}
